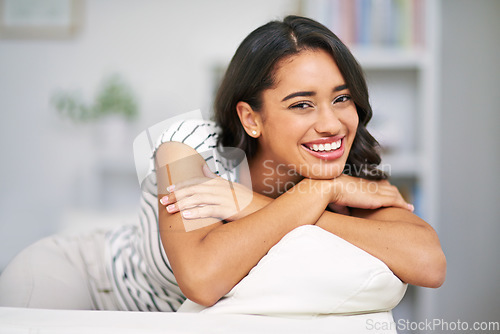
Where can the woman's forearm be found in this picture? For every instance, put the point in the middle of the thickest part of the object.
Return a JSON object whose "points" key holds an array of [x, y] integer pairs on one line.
{"points": [[214, 264], [404, 242]]}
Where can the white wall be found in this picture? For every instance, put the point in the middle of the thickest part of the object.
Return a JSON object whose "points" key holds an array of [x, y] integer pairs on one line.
{"points": [[165, 49], [469, 161]]}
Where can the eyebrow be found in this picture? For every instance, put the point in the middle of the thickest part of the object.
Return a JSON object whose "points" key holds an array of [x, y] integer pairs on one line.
{"points": [[310, 93]]}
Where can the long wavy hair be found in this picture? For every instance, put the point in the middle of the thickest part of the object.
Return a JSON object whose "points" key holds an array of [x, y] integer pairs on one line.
{"points": [[252, 70]]}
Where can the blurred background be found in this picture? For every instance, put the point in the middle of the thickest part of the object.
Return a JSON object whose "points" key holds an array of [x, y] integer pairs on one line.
{"points": [[80, 79]]}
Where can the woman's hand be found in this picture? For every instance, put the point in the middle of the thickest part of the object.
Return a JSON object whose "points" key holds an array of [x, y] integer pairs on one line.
{"points": [[211, 196], [354, 192]]}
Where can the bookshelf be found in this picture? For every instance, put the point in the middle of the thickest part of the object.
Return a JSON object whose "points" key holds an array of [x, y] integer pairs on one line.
{"points": [[396, 43]]}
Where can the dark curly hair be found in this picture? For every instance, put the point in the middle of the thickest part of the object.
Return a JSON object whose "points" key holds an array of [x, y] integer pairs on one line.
{"points": [[252, 70]]}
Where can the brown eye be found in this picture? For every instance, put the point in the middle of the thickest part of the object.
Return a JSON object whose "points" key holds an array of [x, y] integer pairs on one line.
{"points": [[301, 105], [342, 98]]}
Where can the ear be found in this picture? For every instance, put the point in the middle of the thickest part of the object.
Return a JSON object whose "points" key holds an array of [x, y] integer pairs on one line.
{"points": [[249, 118]]}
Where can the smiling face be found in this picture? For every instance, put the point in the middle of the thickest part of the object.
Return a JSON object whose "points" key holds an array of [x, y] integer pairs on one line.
{"points": [[308, 121]]}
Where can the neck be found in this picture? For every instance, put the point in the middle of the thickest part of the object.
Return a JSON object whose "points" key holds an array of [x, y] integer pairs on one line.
{"points": [[270, 178]]}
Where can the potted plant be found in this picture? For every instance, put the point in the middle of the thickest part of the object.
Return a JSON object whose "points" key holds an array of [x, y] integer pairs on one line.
{"points": [[112, 110]]}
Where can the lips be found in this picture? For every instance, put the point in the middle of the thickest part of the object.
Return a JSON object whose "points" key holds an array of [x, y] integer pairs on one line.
{"points": [[326, 148]]}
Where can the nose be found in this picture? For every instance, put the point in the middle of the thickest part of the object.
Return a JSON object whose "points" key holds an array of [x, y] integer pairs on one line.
{"points": [[327, 122]]}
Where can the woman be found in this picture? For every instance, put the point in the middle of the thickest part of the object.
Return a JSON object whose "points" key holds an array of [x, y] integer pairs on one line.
{"points": [[295, 101]]}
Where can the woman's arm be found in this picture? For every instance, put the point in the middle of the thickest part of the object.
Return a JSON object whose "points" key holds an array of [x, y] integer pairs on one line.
{"points": [[386, 228], [209, 261], [405, 243]]}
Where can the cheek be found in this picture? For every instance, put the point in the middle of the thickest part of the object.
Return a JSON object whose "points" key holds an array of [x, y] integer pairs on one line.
{"points": [[281, 127], [351, 121], [355, 122]]}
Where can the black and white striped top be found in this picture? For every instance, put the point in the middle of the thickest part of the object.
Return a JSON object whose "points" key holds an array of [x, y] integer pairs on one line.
{"points": [[142, 277]]}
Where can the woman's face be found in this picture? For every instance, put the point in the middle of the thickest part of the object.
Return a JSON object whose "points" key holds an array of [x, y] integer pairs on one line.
{"points": [[308, 118]]}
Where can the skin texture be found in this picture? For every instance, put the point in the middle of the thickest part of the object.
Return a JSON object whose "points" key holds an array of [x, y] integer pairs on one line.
{"points": [[291, 187]]}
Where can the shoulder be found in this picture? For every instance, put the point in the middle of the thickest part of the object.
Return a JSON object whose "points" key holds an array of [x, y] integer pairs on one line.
{"points": [[193, 141], [185, 140], [197, 133], [172, 151]]}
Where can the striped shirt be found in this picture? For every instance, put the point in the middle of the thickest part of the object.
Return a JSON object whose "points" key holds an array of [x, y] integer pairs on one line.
{"points": [[142, 277]]}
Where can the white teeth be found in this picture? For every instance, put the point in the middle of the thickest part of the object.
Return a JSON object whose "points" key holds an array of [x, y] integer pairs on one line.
{"points": [[326, 147]]}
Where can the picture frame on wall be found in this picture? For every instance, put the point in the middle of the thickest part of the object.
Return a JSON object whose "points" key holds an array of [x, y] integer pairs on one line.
{"points": [[40, 19]]}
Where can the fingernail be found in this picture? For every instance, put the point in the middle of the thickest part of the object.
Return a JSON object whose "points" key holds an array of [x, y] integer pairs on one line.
{"points": [[411, 207], [164, 200], [186, 214], [170, 208], [171, 188]]}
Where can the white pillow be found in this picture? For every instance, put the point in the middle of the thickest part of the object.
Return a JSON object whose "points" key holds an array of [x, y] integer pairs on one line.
{"points": [[309, 272]]}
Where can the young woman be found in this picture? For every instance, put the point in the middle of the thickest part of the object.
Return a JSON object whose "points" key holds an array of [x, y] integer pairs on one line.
{"points": [[295, 101]]}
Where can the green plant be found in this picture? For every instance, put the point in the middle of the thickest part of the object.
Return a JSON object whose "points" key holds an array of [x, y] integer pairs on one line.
{"points": [[114, 97]]}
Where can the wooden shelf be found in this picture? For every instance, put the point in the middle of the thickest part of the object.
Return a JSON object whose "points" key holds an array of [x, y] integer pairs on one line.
{"points": [[378, 58]]}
